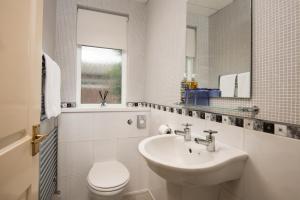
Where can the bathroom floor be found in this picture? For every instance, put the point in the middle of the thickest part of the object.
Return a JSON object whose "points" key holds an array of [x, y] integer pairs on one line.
{"points": [[139, 196]]}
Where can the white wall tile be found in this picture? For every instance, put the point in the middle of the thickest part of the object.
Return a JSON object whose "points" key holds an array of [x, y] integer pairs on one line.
{"points": [[272, 172], [114, 125], [227, 134], [104, 150], [109, 138], [75, 127], [63, 187], [106, 125], [74, 158], [127, 153], [78, 188], [175, 121], [62, 160], [80, 157]]}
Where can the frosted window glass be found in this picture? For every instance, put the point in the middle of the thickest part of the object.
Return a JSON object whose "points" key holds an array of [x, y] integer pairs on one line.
{"points": [[101, 69]]}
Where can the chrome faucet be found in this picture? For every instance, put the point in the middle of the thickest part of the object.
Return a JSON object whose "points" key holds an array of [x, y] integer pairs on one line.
{"points": [[209, 142], [186, 133]]}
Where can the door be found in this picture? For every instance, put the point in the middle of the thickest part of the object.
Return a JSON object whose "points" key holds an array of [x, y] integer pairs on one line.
{"points": [[20, 88]]}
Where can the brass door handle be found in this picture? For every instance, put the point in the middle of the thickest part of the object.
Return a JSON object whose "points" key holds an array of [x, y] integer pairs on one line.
{"points": [[37, 138]]}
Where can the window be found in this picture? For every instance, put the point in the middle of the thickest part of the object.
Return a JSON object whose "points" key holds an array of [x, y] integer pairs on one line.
{"points": [[101, 57], [101, 69]]}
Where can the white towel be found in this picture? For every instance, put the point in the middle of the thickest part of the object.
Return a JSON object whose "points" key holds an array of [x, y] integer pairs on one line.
{"points": [[52, 88], [244, 85], [227, 85]]}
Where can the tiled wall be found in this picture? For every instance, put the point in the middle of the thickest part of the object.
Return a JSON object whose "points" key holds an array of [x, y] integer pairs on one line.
{"points": [[230, 117], [271, 172], [66, 43], [87, 137], [276, 62], [230, 41]]}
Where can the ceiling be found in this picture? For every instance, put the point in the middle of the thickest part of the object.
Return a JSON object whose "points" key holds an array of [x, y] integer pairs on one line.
{"points": [[206, 7]]}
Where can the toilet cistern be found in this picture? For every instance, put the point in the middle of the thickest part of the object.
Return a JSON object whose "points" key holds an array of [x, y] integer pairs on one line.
{"points": [[186, 133]]}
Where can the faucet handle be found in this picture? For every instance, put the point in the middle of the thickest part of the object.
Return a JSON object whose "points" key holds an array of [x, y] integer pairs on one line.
{"points": [[210, 132], [187, 125]]}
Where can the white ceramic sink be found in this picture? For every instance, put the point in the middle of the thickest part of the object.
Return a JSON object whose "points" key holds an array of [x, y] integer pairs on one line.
{"points": [[190, 164]]}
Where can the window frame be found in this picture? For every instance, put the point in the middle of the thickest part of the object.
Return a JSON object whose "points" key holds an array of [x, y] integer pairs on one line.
{"points": [[123, 81]]}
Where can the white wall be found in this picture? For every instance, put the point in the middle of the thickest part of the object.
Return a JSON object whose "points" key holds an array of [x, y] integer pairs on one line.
{"points": [[272, 171], [85, 138], [165, 50], [49, 27], [202, 59]]}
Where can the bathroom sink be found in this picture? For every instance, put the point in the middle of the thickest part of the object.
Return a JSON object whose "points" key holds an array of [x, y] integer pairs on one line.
{"points": [[190, 164]]}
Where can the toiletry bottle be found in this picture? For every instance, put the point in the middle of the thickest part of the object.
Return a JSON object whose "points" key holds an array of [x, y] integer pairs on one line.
{"points": [[183, 88], [194, 83]]}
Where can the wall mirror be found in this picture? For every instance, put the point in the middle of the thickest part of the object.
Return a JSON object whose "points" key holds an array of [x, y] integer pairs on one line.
{"points": [[219, 47]]}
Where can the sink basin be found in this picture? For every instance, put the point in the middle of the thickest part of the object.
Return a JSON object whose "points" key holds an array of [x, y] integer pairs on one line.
{"points": [[190, 164]]}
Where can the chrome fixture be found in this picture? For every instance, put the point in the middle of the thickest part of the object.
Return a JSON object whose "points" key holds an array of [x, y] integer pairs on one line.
{"points": [[254, 110], [186, 133], [129, 121], [209, 142]]}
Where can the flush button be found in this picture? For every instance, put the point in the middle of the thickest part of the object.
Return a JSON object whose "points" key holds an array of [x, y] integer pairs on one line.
{"points": [[141, 122]]}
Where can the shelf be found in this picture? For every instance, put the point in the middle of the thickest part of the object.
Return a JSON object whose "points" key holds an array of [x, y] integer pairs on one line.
{"points": [[249, 112]]}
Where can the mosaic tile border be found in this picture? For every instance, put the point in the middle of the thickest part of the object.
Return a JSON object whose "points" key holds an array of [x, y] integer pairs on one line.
{"points": [[68, 104], [264, 126]]}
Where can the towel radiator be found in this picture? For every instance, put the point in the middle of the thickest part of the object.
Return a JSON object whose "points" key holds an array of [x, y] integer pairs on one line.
{"points": [[48, 149], [48, 166]]}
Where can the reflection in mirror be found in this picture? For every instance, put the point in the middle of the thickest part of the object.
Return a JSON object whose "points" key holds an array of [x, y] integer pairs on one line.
{"points": [[218, 50]]}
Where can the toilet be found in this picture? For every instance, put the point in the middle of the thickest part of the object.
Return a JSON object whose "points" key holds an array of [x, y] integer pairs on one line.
{"points": [[107, 180]]}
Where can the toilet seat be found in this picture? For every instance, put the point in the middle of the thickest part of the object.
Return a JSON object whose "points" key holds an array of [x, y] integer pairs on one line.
{"points": [[108, 176], [112, 189]]}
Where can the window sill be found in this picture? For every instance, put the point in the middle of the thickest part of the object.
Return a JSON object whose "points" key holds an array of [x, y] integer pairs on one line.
{"points": [[105, 109]]}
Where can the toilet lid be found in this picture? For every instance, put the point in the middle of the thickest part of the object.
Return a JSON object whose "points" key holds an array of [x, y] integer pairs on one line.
{"points": [[109, 174]]}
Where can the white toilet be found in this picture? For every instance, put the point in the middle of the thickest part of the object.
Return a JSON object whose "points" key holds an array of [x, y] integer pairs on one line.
{"points": [[107, 180]]}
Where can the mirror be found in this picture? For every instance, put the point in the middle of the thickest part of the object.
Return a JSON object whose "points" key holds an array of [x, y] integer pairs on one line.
{"points": [[219, 47]]}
